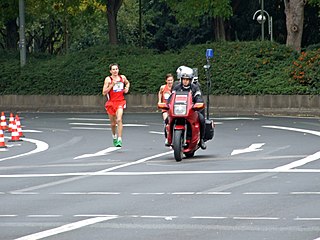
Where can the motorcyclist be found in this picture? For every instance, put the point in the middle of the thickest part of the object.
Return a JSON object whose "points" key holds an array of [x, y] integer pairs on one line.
{"points": [[186, 84]]}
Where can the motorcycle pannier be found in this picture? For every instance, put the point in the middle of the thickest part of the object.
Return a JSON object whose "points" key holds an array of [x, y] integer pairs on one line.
{"points": [[209, 130]]}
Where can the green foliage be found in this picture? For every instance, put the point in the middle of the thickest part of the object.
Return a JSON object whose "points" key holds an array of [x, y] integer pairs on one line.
{"points": [[306, 69], [238, 68]]}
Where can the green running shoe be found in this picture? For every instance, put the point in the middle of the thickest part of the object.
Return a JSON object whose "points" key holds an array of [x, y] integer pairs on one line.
{"points": [[119, 143], [115, 141]]}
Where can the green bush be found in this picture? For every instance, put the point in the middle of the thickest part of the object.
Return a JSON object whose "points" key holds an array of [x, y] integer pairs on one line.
{"points": [[238, 68]]}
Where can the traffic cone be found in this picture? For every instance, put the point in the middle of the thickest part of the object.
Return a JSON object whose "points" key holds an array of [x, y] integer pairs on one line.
{"points": [[11, 121], [14, 134], [2, 142], [3, 125], [19, 129]]}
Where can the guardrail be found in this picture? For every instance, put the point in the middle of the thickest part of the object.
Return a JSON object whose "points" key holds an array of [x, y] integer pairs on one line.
{"points": [[298, 105]]}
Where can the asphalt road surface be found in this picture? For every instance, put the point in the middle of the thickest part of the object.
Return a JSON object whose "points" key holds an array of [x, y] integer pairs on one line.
{"points": [[259, 178]]}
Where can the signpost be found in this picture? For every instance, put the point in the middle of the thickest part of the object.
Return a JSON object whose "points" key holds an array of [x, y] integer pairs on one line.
{"points": [[209, 55]]}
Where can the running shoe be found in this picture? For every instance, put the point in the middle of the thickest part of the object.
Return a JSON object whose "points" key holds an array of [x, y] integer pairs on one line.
{"points": [[119, 143]]}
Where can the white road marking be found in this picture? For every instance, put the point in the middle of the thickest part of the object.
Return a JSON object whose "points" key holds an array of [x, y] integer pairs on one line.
{"points": [[107, 173], [31, 131], [108, 124], [260, 193], [44, 216], [90, 128], [89, 119], [255, 218], [100, 153], [237, 118], [208, 217], [40, 147], [307, 219], [305, 193], [87, 193], [161, 133], [252, 148], [300, 162], [294, 129], [65, 228], [213, 193]]}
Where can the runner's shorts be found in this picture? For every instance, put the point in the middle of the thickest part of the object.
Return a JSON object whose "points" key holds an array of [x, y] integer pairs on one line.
{"points": [[112, 106]]}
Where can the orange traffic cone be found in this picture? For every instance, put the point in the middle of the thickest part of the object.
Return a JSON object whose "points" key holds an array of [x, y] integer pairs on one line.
{"points": [[11, 120], [19, 129], [3, 125], [2, 142], [14, 134]]}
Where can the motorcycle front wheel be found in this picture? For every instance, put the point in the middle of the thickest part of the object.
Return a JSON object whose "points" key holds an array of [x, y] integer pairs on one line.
{"points": [[177, 145]]}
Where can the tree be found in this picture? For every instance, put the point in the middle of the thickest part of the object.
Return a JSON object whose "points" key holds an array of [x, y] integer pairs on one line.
{"points": [[294, 10], [191, 12], [113, 7], [8, 16]]}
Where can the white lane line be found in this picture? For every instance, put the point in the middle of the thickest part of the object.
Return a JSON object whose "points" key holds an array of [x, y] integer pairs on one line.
{"points": [[157, 193], [255, 218], [8, 215], [208, 217], [155, 216], [40, 147], [100, 153], [305, 193], [65, 228], [108, 124], [96, 215], [107, 173], [252, 148], [213, 193], [87, 193], [303, 161], [90, 128], [306, 219], [294, 129], [31, 131], [300, 162], [24, 193], [89, 119], [260, 193], [236, 118], [44, 216], [182, 193], [160, 133]]}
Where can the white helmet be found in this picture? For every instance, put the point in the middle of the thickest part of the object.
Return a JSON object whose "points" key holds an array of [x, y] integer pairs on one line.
{"points": [[184, 72]]}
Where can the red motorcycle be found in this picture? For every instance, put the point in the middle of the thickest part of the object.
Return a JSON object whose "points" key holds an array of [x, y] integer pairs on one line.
{"points": [[183, 128]]}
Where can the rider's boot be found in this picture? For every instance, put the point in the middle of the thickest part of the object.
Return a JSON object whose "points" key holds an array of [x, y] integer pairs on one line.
{"points": [[202, 144]]}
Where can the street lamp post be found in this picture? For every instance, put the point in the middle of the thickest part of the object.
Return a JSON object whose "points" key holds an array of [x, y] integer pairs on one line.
{"points": [[261, 19]]}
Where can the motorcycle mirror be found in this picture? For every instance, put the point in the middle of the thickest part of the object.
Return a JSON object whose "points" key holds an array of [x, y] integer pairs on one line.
{"points": [[198, 106]]}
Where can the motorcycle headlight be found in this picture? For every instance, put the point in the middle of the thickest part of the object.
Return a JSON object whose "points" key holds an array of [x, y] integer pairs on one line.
{"points": [[180, 109]]}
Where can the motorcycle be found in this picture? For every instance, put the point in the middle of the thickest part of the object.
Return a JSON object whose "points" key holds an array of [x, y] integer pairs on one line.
{"points": [[183, 128]]}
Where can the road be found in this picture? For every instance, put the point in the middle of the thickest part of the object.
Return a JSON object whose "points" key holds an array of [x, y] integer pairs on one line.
{"points": [[258, 179]]}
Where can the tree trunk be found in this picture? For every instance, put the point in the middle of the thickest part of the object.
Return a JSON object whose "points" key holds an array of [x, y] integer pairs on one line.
{"points": [[113, 7], [219, 30], [294, 10], [12, 35]]}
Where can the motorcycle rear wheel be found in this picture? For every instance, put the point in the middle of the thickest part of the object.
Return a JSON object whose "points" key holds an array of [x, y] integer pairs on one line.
{"points": [[177, 145]]}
